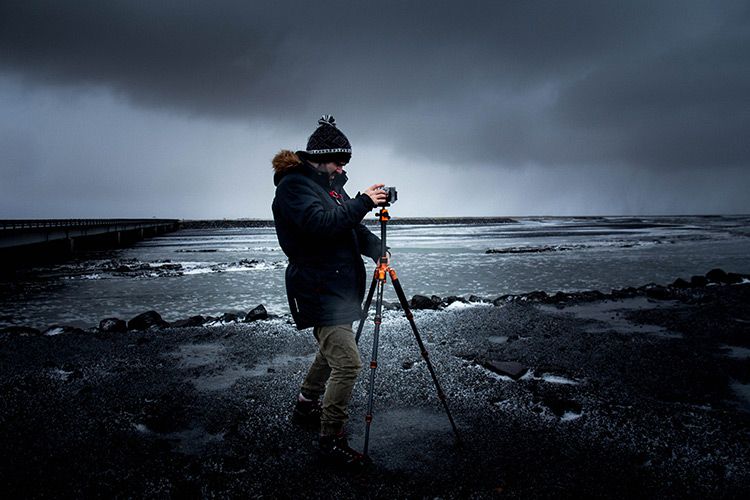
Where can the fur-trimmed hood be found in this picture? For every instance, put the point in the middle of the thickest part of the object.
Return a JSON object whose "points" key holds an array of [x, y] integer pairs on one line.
{"points": [[284, 162]]}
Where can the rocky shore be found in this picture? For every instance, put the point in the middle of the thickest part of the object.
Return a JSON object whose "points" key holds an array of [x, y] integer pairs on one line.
{"points": [[641, 391]]}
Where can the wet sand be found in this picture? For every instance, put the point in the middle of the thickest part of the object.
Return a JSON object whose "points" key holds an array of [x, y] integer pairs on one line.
{"points": [[622, 398]]}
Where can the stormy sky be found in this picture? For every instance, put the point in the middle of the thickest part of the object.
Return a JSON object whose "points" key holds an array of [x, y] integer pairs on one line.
{"points": [[175, 108]]}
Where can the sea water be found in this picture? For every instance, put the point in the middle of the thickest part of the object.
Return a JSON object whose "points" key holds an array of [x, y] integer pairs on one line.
{"points": [[212, 271]]}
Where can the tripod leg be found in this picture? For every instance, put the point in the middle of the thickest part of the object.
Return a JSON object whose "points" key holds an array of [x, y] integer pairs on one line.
{"points": [[422, 348], [366, 307], [373, 361]]}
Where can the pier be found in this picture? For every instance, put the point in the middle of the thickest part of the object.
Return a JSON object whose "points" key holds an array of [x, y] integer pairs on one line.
{"points": [[25, 241]]}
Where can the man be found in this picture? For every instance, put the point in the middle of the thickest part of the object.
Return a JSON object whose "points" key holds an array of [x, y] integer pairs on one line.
{"points": [[319, 229]]}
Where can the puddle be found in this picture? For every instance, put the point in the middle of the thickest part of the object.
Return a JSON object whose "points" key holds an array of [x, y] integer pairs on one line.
{"points": [[219, 375], [570, 415], [195, 355], [610, 315], [59, 374], [221, 380], [278, 362], [189, 442], [226, 377], [529, 375], [734, 351], [742, 392], [193, 441], [405, 439], [556, 379], [498, 339]]}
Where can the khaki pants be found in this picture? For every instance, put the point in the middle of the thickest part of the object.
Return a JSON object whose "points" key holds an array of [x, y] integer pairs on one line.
{"points": [[337, 363]]}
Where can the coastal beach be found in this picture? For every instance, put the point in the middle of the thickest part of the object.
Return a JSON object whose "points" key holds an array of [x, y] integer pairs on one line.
{"points": [[642, 391]]}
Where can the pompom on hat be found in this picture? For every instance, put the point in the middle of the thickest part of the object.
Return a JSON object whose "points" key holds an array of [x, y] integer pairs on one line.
{"points": [[327, 143]]}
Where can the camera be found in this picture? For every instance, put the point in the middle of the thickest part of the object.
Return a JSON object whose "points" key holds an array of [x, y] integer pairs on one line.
{"points": [[391, 195]]}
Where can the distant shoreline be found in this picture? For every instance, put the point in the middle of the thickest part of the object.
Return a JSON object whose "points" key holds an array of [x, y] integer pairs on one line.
{"points": [[231, 223]]}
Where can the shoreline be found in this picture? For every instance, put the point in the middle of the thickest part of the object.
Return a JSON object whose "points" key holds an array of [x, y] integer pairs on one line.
{"points": [[235, 223], [614, 397], [677, 290]]}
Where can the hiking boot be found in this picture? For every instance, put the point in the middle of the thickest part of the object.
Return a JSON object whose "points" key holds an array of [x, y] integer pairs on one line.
{"points": [[336, 450], [307, 413]]}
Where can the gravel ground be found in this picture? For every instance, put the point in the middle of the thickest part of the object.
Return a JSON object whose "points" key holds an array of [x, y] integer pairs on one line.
{"points": [[622, 398]]}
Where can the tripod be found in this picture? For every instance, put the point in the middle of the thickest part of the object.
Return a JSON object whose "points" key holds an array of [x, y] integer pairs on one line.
{"points": [[378, 281]]}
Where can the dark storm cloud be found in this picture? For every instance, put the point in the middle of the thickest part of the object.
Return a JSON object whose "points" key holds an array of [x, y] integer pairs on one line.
{"points": [[653, 84]]}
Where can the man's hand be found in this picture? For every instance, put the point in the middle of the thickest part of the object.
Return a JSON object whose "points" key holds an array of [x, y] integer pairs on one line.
{"points": [[390, 259], [376, 194]]}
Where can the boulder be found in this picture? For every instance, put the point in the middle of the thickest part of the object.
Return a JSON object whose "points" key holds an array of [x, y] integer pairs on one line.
{"points": [[191, 321], [658, 292], [680, 283], [454, 298], [734, 278], [113, 325], [698, 281], [624, 293], [389, 306], [422, 302], [259, 313], [477, 298], [717, 275], [503, 299], [229, 318], [144, 321], [510, 369], [536, 296]]}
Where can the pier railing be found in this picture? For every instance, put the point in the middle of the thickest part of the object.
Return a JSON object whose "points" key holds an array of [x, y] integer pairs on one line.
{"points": [[58, 223], [24, 238]]}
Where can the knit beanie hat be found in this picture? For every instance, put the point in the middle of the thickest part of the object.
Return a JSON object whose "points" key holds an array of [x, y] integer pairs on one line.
{"points": [[328, 143]]}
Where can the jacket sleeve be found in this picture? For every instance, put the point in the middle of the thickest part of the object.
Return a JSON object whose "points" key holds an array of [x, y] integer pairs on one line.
{"points": [[301, 205], [369, 244]]}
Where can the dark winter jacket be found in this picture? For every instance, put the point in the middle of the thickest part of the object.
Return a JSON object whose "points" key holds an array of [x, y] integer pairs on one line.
{"points": [[319, 229]]}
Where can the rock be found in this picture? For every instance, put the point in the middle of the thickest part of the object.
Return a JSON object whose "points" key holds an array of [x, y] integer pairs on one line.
{"points": [[734, 278], [389, 306], [510, 369], [422, 302], [590, 295], [60, 330], [407, 365], [503, 299], [658, 292], [717, 275], [20, 331], [113, 325], [259, 313], [229, 318], [536, 296], [624, 293], [698, 281], [144, 321], [476, 298], [454, 298], [680, 283], [191, 321]]}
